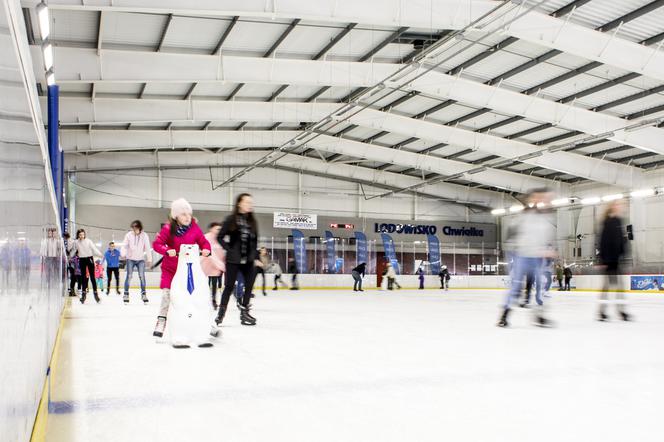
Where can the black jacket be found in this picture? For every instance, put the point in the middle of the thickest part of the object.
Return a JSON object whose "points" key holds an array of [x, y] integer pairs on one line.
{"points": [[292, 268], [361, 269], [444, 274], [231, 242], [612, 241]]}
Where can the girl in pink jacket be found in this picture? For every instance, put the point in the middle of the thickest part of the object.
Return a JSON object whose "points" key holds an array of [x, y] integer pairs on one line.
{"points": [[182, 229], [214, 266]]}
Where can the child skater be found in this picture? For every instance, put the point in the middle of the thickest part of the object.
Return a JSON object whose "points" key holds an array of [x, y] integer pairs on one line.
{"points": [[99, 275], [214, 267], [182, 229]]}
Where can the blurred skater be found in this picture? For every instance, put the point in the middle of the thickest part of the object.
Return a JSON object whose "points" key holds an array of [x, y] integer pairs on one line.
{"points": [[611, 248], [533, 244], [261, 266], [239, 237], [391, 277], [420, 276], [215, 265], [359, 273], [293, 270], [567, 272], [444, 276], [276, 269], [86, 249], [136, 250], [182, 229]]}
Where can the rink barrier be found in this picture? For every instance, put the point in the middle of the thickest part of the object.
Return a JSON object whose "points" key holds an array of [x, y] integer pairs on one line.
{"points": [[41, 419], [587, 283]]}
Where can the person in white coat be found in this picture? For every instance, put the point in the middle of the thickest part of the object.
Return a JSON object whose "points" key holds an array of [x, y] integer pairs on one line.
{"points": [[86, 251], [136, 250]]}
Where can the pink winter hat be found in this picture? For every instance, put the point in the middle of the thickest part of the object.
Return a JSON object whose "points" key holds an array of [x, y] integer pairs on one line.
{"points": [[179, 207]]}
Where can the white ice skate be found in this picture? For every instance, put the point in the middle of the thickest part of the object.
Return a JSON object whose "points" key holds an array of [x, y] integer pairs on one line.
{"points": [[189, 314]]}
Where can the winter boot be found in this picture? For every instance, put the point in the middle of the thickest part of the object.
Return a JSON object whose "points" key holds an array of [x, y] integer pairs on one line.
{"points": [[160, 327]]}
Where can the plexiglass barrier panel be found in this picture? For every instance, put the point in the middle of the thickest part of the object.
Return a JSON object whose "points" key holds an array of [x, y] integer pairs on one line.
{"points": [[31, 259]]}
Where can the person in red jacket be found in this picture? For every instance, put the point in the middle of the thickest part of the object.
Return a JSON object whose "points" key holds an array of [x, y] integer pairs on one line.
{"points": [[182, 229]]}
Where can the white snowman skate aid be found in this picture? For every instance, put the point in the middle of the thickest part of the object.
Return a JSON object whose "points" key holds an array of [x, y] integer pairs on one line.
{"points": [[189, 314]]}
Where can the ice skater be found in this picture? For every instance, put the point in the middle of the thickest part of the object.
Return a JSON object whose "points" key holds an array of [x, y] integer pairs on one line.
{"points": [[359, 273], [136, 250], [391, 277], [99, 274], [182, 229], [420, 277], [261, 266], [112, 260], [444, 276], [611, 248], [293, 270], [239, 237], [278, 273], [86, 249], [215, 265], [533, 244]]}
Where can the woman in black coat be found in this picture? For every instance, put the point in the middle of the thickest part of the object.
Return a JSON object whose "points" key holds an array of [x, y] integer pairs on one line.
{"points": [[239, 237], [611, 249]]}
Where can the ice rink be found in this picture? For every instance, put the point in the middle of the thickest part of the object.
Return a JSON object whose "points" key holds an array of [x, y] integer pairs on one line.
{"points": [[377, 366]]}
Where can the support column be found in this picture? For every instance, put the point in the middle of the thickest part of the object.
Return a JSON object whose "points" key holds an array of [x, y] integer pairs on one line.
{"points": [[299, 192], [54, 152]]}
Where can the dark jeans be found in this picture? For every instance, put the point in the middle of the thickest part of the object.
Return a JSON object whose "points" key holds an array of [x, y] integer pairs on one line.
{"points": [[89, 264], [567, 281], [358, 281], [612, 271], [232, 270], [110, 271], [294, 284]]}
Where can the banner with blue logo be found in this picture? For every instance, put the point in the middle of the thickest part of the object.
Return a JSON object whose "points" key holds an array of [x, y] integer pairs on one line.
{"points": [[434, 254], [647, 282], [300, 251], [330, 245], [361, 247], [390, 252]]}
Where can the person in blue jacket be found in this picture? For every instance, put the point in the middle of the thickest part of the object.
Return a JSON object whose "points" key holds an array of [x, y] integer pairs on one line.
{"points": [[112, 259], [420, 276]]}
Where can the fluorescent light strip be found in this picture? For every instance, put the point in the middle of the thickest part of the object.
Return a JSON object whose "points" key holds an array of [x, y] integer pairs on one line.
{"points": [[47, 51], [642, 193], [44, 20]]}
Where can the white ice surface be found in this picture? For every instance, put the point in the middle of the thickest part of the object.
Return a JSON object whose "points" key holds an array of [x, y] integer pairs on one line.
{"points": [[337, 366]]}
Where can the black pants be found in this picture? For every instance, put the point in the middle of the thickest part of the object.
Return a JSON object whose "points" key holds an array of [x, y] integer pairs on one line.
{"points": [[612, 271], [110, 271], [294, 283], [358, 280], [567, 280], [278, 280], [249, 275], [215, 283], [560, 283], [74, 279], [261, 271], [89, 264], [530, 281]]}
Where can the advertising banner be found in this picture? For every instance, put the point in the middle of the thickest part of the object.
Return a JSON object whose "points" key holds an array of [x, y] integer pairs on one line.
{"points": [[283, 220], [300, 251], [646, 282], [361, 248], [434, 254], [390, 252], [330, 245]]}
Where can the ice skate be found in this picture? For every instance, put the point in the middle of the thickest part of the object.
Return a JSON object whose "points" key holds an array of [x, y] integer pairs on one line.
{"points": [[96, 295], [216, 326], [205, 345], [625, 316], [144, 298], [502, 322], [541, 321], [602, 317], [160, 327], [245, 317], [181, 345], [125, 298], [84, 295]]}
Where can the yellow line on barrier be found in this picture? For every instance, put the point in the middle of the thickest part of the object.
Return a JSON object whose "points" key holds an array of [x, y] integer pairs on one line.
{"points": [[41, 419]]}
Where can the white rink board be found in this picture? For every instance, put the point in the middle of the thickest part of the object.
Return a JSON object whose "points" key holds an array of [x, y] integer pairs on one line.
{"points": [[337, 366]]}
